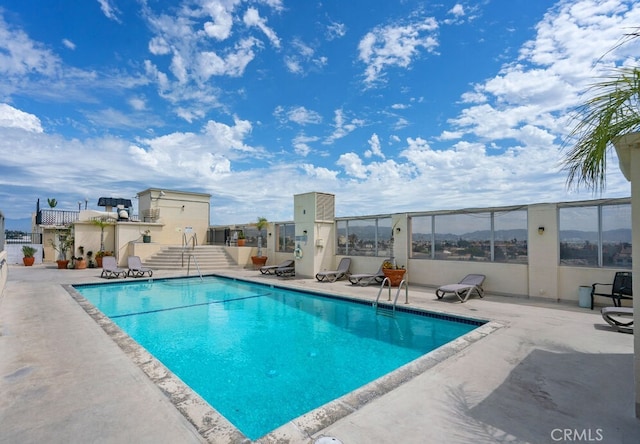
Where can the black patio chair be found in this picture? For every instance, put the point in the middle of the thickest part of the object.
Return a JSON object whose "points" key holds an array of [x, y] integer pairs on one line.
{"points": [[621, 288]]}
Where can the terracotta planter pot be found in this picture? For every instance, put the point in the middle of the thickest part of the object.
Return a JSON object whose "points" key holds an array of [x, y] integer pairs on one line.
{"points": [[99, 262], [241, 242], [395, 276], [62, 265], [258, 261], [81, 265], [28, 261]]}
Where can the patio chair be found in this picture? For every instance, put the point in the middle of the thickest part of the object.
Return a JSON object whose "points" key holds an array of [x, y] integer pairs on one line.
{"points": [[613, 317], [334, 275], [286, 271], [271, 269], [136, 269], [364, 279], [463, 289], [110, 268], [621, 288]]}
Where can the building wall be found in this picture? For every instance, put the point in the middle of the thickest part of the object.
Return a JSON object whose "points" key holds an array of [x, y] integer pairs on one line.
{"points": [[541, 278], [180, 214]]}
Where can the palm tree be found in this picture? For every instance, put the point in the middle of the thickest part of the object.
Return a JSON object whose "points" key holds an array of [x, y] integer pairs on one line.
{"points": [[612, 112], [102, 223], [260, 225]]}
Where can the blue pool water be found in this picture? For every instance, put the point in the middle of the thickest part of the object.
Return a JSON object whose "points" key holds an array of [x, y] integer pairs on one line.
{"points": [[262, 355]]}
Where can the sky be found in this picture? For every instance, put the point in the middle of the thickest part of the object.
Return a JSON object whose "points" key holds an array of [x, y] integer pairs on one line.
{"points": [[393, 106]]}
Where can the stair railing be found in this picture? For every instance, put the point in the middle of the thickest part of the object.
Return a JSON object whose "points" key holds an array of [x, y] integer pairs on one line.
{"points": [[185, 244]]}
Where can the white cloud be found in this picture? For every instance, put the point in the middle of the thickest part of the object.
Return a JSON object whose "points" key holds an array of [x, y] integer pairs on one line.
{"points": [[374, 143], [159, 46], [342, 127], [21, 56], [109, 10], [293, 65], [222, 19], [69, 44], [395, 45], [301, 144], [11, 117], [457, 10], [336, 30], [232, 64], [353, 165], [299, 115], [138, 103], [252, 18], [199, 42], [303, 55], [529, 99]]}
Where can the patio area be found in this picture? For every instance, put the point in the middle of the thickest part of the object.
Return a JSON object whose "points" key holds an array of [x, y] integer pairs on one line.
{"points": [[548, 373]]}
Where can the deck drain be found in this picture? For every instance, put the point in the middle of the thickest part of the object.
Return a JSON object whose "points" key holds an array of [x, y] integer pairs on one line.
{"points": [[327, 440]]}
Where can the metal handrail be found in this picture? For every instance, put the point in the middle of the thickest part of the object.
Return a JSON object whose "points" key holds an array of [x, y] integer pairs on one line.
{"points": [[385, 281], [185, 244], [403, 283], [197, 266], [406, 293]]}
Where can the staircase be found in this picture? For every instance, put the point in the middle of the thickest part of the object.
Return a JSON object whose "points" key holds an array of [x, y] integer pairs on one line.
{"points": [[209, 258]]}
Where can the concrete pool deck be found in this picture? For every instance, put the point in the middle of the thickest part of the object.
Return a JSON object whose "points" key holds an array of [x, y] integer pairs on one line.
{"points": [[549, 373]]}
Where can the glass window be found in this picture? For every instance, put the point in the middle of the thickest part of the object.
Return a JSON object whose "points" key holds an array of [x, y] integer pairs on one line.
{"points": [[251, 236], [342, 236], [579, 236], [384, 244], [286, 237], [364, 237], [616, 236], [463, 237], [510, 236], [421, 237]]}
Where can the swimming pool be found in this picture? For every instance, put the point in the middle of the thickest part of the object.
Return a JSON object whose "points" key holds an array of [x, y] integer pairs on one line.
{"points": [[263, 355]]}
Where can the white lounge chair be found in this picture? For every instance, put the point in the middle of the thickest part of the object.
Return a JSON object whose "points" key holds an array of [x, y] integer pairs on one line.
{"points": [[136, 269], [286, 271], [334, 275], [614, 315], [272, 269], [364, 279], [463, 289], [110, 268]]}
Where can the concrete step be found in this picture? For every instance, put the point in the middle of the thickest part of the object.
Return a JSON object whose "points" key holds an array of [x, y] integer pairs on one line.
{"points": [[207, 257]]}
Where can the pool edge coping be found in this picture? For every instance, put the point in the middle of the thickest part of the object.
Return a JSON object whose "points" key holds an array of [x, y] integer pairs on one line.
{"points": [[209, 422]]}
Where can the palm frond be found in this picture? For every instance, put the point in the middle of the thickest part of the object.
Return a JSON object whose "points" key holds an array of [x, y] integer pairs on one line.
{"points": [[611, 112]]}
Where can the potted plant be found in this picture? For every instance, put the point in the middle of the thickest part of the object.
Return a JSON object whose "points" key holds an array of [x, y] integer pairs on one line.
{"points": [[146, 236], [260, 260], [100, 254], [63, 244], [394, 273], [102, 223], [28, 252], [90, 260], [241, 239], [79, 262]]}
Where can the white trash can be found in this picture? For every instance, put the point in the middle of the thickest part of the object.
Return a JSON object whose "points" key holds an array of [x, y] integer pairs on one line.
{"points": [[584, 296]]}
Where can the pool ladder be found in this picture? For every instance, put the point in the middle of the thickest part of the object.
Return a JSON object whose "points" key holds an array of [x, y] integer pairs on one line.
{"points": [[185, 247], [386, 309], [197, 266]]}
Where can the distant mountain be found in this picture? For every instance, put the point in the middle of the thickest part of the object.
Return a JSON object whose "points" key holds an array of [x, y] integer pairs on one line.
{"points": [[618, 235]]}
